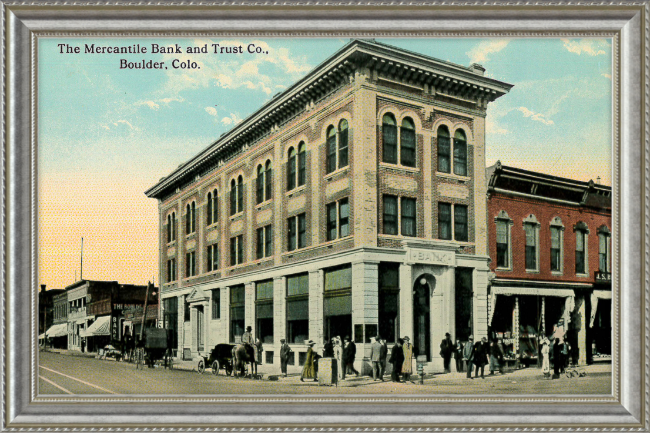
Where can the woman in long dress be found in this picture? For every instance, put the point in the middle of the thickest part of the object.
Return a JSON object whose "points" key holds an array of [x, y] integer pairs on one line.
{"points": [[546, 366], [407, 367], [308, 370], [338, 355]]}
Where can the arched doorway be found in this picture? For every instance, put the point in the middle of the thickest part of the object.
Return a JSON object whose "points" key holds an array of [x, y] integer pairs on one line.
{"points": [[422, 316]]}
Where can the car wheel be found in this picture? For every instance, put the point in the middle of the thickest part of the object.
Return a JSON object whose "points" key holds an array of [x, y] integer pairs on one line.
{"points": [[215, 367], [201, 367]]}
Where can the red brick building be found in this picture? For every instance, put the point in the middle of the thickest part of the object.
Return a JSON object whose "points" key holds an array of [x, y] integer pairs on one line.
{"points": [[550, 250], [351, 204]]}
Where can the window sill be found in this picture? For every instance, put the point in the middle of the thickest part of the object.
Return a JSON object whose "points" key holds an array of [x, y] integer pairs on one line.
{"points": [[532, 271], [264, 204], [214, 225], [262, 260], [329, 244], [329, 176], [237, 266], [503, 269], [453, 176], [582, 275], [171, 244], [190, 236], [236, 216], [399, 167], [296, 190], [557, 273], [193, 277]]}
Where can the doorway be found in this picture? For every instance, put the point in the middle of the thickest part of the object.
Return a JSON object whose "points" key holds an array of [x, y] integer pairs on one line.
{"points": [[422, 318], [199, 329]]}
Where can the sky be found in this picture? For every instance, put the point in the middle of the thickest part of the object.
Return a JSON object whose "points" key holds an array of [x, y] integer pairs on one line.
{"points": [[106, 134]]}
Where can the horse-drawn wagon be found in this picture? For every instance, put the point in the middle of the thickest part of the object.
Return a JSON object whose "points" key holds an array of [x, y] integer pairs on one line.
{"points": [[221, 358], [154, 347]]}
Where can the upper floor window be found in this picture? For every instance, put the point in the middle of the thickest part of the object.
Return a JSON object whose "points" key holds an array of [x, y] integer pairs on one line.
{"points": [[458, 224], [213, 257], [237, 195], [296, 170], [531, 230], [604, 236], [389, 138], [337, 147], [297, 227], [171, 270], [405, 208], [460, 153], [503, 232], [213, 207], [264, 242], [557, 243], [190, 218], [264, 182], [407, 143], [582, 232], [444, 150], [236, 250], [171, 227], [338, 219], [190, 264], [216, 304]]}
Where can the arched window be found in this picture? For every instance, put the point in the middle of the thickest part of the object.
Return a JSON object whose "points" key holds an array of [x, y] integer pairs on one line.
{"points": [[264, 182], [291, 169], [557, 245], [173, 226], [233, 197], [268, 178], [240, 194], [213, 207], [444, 150], [503, 232], [582, 232], [260, 184], [389, 139], [531, 230], [604, 236], [302, 159], [343, 143], [190, 218], [407, 143], [460, 153], [169, 228], [331, 149]]}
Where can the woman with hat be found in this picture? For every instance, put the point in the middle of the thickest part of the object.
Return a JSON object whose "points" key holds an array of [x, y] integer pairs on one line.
{"points": [[308, 370], [407, 367], [546, 366]]}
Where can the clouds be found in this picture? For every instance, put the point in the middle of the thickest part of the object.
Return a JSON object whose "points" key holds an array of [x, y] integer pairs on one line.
{"points": [[538, 117], [480, 53], [155, 104], [120, 123], [233, 119], [591, 47]]}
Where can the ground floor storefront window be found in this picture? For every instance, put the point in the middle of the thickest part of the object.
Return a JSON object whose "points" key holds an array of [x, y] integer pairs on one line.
{"points": [[237, 312], [388, 314], [337, 302], [297, 308]]}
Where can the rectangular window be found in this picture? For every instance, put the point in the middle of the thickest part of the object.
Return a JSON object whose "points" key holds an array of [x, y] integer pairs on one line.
{"points": [[444, 221], [237, 250], [531, 247], [260, 243], [298, 285], [555, 249], [264, 242], [190, 264], [408, 217], [302, 231], [407, 151], [460, 157], [302, 169], [171, 270], [293, 232], [389, 135], [343, 147], [460, 223], [464, 304], [444, 153], [603, 253], [186, 315], [390, 214], [331, 221], [331, 153], [216, 304], [213, 257], [237, 312], [388, 308], [264, 311], [344, 218], [298, 308], [503, 258], [268, 233], [580, 252], [339, 278]]}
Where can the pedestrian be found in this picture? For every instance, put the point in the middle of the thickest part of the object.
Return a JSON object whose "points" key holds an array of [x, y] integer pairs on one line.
{"points": [[397, 359], [375, 358], [338, 355], [557, 358], [257, 354], [446, 350], [383, 355], [83, 345], [565, 356], [496, 357], [546, 366], [458, 356], [328, 349], [468, 351], [349, 353], [308, 369], [247, 341], [407, 368], [285, 350], [480, 356]]}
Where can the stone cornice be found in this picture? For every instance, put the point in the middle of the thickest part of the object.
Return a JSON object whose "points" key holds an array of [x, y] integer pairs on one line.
{"points": [[355, 63]]}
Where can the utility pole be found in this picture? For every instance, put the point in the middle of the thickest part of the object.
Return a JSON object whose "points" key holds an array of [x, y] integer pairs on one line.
{"points": [[144, 313], [81, 274]]}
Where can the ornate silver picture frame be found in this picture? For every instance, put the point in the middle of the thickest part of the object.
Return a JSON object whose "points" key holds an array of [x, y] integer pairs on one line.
{"points": [[626, 24]]}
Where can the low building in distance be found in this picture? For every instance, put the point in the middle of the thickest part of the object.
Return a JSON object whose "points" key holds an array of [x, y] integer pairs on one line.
{"points": [[351, 204], [550, 245]]}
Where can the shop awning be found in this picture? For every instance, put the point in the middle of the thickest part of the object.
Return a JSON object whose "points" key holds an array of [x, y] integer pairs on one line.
{"points": [[530, 291], [101, 326], [603, 294], [59, 330]]}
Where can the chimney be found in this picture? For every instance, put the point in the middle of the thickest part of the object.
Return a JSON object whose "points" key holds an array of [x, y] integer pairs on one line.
{"points": [[43, 287], [598, 180]]}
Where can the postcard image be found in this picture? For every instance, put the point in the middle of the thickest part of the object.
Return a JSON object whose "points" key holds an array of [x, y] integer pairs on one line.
{"points": [[324, 216]]}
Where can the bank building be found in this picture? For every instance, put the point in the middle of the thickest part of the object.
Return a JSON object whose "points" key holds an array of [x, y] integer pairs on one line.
{"points": [[351, 204]]}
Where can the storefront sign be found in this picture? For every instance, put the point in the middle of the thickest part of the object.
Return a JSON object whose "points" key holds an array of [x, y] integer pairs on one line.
{"points": [[431, 257]]}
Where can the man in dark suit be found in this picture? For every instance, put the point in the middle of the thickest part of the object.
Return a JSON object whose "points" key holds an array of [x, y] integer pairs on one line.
{"points": [[375, 358], [285, 350], [480, 356], [397, 359], [383, 354], [349, 353]]}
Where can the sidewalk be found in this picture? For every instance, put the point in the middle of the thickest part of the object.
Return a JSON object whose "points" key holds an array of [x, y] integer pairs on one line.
{"points": [[69, 352]]}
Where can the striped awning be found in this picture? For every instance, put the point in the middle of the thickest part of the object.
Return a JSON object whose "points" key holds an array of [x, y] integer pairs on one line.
{"points": [[57, 330], [101, 326]]}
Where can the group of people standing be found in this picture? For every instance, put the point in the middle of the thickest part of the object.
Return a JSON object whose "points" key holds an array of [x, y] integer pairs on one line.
{"points": [[344, 351], [477, 356], [561, 351]]}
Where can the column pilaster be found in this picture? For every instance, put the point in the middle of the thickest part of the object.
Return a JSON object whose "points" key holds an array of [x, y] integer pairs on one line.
{"points": [[316, 283], [406, 300]]}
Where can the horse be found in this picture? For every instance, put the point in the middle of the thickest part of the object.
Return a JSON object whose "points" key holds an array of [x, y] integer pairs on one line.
{"points": [[241, 355]]}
